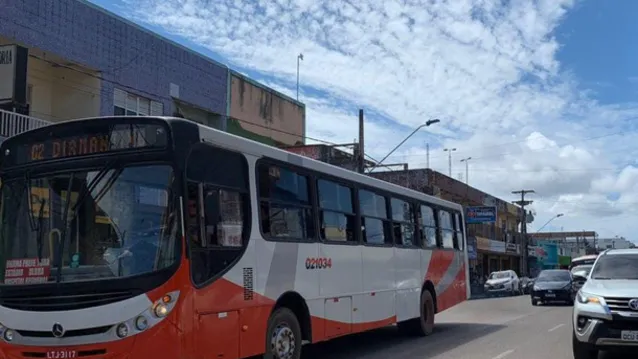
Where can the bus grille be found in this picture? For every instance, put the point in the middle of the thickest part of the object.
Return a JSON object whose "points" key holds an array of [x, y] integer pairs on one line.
{"points": [[68, 334], [50, 303]]}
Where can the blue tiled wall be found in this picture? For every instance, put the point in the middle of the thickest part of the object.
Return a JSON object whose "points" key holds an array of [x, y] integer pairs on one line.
{"points": [[127, 56]]}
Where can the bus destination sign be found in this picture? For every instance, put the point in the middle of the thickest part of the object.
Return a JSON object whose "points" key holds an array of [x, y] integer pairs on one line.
{"points": [[119, 138]]}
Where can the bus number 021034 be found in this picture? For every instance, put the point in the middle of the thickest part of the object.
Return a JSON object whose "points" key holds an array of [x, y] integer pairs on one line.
{"points": [[318, 263]]}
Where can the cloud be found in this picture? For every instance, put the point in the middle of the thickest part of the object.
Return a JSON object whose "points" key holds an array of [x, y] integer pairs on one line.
{"points": [[487, 68]]}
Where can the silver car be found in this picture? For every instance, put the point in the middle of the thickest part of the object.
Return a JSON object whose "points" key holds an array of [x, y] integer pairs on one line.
{"points": [[605, 312]]}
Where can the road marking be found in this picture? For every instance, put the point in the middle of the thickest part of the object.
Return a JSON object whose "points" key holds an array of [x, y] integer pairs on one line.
{"points": [[504, 354], [556, 327]]}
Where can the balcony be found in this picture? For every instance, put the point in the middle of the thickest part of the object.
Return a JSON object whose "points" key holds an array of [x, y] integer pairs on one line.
{"points": [[12, 123]]}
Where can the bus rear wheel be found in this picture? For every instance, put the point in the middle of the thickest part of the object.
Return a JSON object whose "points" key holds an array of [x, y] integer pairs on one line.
{"points": [[424, 325], [283, 338]]}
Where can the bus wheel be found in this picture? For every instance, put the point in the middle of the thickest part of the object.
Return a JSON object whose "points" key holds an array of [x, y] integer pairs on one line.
{"points": [[283, 339], [424, 325]]}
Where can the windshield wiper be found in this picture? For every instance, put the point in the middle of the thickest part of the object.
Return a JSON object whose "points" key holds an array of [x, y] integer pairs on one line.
{"points": [[601, 278]]}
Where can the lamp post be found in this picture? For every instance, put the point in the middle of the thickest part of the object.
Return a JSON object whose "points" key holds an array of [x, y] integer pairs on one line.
{"points": [[426, 124], [467, 172], [449, 151], [551, 219], [299, 59]]}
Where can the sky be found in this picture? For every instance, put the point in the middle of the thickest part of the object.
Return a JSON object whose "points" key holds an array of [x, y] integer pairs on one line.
{"points": [[540, 93]]}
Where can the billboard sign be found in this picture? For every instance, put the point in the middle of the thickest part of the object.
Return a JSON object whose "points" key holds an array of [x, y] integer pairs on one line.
{"points": [[13, 72], [482, 214]]}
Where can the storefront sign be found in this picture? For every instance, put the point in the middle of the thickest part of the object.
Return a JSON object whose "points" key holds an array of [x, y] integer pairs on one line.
{"points": [[13, 72], [482, 214], [471, 247], [511, 248], [482, 244]]}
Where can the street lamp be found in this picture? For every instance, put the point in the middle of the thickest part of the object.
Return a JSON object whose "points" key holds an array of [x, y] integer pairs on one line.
{"points": [[467, 172], [449, 151], [426, 124], [299, 58], [551, 219]]}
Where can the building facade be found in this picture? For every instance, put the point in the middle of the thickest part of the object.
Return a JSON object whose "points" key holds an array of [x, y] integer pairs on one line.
{"points": [[263, 114], [84, 61]]}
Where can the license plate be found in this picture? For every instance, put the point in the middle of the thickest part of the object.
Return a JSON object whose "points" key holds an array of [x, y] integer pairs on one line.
{"points": [[550, 295], [629, 335], [61, 354]]}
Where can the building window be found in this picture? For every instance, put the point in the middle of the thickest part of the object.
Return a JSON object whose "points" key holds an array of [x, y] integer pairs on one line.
{"points": [[286, 210], [374, 218], [127, 104], [446, 229], [403, 222], [336, 212], [428, 227]]}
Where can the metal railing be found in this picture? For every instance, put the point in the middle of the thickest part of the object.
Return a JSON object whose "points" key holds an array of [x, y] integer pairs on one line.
{"points": [[12, 123]]}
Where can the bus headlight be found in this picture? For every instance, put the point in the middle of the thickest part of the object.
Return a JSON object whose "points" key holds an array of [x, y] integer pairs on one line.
{"points": [[8, 335], [163, 306], [122, 330], [141, 323]]}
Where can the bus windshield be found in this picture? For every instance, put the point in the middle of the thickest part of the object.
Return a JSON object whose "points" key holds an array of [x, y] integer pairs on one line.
{"points": [[88, 225]]}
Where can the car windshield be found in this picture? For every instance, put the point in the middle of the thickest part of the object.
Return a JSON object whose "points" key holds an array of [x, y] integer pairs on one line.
{"points": [[499, 275], [616, 266], [88, 225], [553, 276]]}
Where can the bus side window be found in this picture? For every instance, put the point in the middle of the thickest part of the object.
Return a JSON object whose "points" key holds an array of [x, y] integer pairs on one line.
{"points": [[375, 222], [403, 222], [428, 227], [446, 229], [458, 232], [336, 212], [218, 210], [285, 206]]}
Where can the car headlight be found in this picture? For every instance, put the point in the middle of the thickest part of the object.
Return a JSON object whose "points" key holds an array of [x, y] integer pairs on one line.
{"points": [[536, 288], [586, 298]]}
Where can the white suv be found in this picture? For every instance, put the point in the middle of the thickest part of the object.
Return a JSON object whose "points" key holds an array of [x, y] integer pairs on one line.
{"points": [[606, 307]]}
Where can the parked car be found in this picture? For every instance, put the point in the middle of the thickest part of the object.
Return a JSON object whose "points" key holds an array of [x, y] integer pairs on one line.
{"points": [[525, 285], [606, 308], [502, 283], [553, 285]]}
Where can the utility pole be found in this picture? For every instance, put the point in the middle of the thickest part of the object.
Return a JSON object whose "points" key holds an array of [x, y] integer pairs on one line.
{"points": [[427, 155], [449, 151], [524, 251], [362, 155]]}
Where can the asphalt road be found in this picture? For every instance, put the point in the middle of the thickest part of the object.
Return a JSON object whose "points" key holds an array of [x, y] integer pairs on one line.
{"points": [[499, 328]]}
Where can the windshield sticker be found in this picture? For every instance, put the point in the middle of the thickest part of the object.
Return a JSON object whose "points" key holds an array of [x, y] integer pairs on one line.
{"points": [[39, 198], [27, 271]]}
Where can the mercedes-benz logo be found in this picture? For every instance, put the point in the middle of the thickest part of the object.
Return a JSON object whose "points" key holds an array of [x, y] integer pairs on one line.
{"points": [[633, 304], [57, 330]]}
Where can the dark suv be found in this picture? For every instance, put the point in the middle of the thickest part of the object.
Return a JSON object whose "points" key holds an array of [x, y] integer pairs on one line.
{"points": [[606, 308]]}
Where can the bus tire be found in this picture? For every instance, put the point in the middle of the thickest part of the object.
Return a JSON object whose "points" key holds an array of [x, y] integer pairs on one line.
{"points": [[424, 324], [283, 336]]}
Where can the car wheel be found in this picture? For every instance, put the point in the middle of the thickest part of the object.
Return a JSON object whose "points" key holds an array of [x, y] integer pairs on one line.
{"points": [[534, 302], [583, 350]]}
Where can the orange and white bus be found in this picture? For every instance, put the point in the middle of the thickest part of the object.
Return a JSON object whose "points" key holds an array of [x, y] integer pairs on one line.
{"points": [[148, 237]]}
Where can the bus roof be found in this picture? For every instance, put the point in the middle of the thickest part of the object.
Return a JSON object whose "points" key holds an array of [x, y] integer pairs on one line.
{"points": [[237, 143]]}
